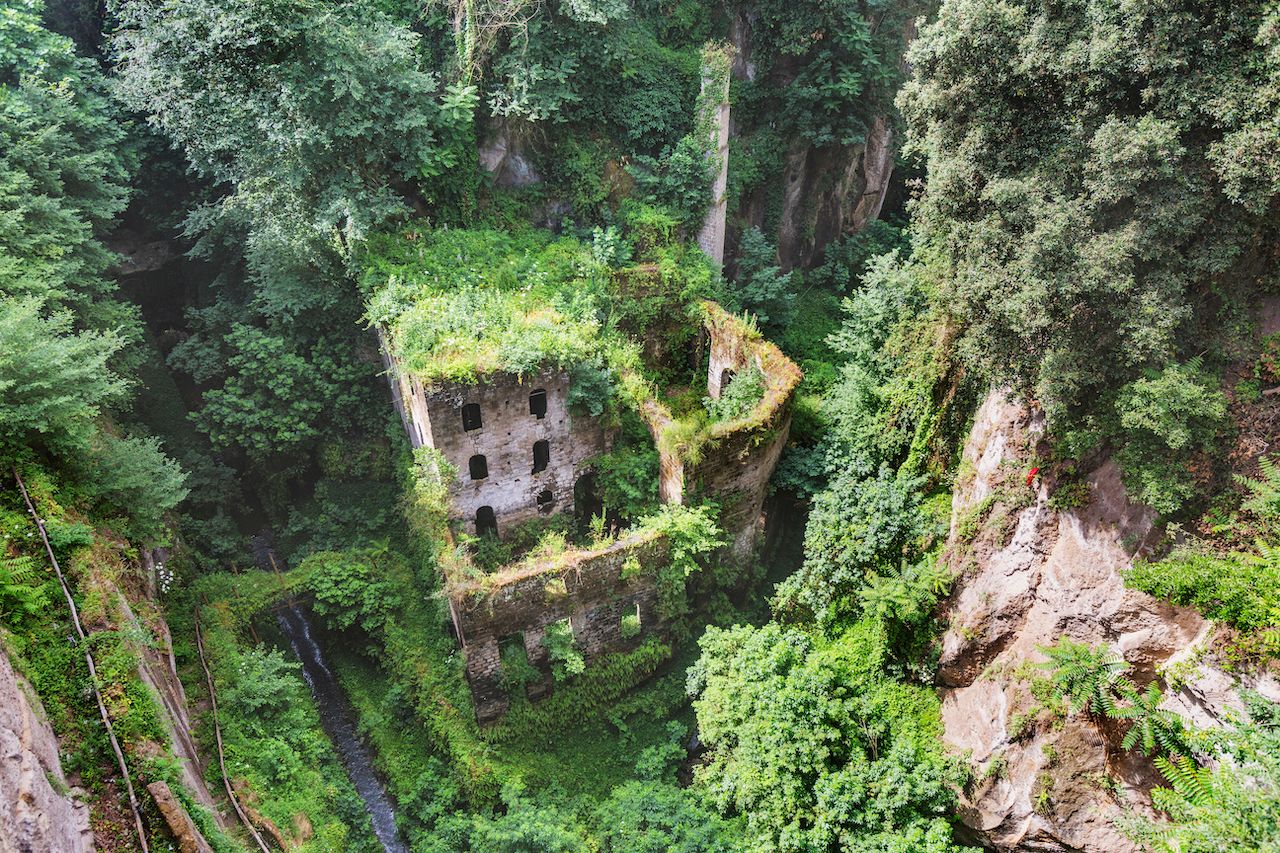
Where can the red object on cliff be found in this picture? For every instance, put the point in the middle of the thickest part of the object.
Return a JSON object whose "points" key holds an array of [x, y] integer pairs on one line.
{"points": [[1032, 476]]}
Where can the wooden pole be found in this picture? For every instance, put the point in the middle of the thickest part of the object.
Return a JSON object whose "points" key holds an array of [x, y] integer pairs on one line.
{"points": [[88, 658], [217, 734]]}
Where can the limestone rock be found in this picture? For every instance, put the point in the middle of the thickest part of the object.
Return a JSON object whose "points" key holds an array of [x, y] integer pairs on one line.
{"points": [[1030, 574], [37, 813]]}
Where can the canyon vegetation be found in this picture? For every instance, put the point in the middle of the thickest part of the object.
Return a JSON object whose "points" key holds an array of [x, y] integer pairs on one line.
{"points": [[535, 426]]}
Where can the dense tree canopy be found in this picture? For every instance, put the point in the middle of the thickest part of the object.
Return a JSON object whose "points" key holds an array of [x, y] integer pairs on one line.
{"points": [[1100, 175]]}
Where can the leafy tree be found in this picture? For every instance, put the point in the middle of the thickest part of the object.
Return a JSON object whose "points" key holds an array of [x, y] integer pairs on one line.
{"points": [[856, 526], [815, 747], [1083, 193], [134, 475], [64, 173], [658, 817], [523, 827], [314, 114], [762, 287], [349, 589], [1164, 417], [53, 381]]}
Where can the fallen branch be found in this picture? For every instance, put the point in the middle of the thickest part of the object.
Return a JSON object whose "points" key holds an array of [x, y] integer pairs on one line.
{"points": [[217, 734]]}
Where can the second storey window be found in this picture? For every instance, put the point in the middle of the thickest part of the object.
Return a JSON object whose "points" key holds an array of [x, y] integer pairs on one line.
{"points": [[479, 467], [541, 455], [538, 403], [471, 416]]}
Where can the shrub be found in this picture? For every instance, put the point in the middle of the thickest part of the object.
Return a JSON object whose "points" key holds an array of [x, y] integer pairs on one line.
{"points": [[1164, 417], [739, 399], [566, 660]]}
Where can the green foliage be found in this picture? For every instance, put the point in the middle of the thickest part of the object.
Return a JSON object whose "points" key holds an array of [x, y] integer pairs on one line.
{"points": [[1264, 501], [63, 174], [349, 588], [22, 590], [54, 381], [856, 526], [691, 533], [652, 817], [1087, 678], [626, 478], [1164, 417], [1077, 242], [1243, 589], [678, 181], [739, 399], [516, 669], [1152, 727], [1233, 804], [824, 70], [135, 476], [566, 660], [353, 109], [273, 740], [460, 303], [817, 749], [882, 406], [761, 286]]}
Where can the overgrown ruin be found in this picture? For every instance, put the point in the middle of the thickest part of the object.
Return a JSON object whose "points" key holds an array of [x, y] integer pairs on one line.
{"points": [[516, 449]]}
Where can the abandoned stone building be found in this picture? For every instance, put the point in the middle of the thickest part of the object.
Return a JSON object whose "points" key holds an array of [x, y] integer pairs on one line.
{"points": [[518, 451]]}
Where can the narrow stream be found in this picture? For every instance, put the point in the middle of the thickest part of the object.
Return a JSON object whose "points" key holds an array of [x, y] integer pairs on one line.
{"points": [[339, 722]]}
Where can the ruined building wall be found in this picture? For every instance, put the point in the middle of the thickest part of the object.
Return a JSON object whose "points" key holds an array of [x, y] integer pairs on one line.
{"points": [[739, 457], [588, 589], [505, 438]]}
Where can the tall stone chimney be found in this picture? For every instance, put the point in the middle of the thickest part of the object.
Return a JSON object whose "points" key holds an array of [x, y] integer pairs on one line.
{"points": [[713, 123]]}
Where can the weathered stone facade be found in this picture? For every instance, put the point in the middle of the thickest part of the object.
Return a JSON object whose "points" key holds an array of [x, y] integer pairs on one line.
{"points": [[738, 459], [587, 588], [508, 424]]}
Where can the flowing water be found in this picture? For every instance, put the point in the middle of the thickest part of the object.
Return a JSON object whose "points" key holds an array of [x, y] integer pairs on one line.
{"points": [[338, 720]]}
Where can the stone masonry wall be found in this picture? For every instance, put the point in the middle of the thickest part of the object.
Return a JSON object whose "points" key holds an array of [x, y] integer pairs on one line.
{"points": [[739, 457], [594, 598], [506, 439], [736, 466]]}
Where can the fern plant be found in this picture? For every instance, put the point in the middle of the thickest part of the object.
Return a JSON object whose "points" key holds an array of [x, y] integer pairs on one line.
{"points": [[1265, 502], [1189, 783], [1086, 677], [1151, 726], [22, 589]]}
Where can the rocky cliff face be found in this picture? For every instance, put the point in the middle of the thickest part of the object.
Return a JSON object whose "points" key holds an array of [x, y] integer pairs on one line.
{"points": [[37, 809], [1030, 571]]}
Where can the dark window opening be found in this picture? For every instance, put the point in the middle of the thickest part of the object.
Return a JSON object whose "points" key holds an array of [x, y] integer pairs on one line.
{"points": [[546, 501], [486, 522], [471, 416], [726, 377], [541, 455], [479, 467], [538, 404]]}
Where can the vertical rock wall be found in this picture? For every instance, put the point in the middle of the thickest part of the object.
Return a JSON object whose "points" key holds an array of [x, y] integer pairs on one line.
{"points": [[37, 812], [1029, 574]]}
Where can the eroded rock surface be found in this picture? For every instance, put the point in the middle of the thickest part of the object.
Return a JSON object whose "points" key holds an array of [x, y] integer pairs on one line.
{"points": [[1029, 575], [37, 811]]}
